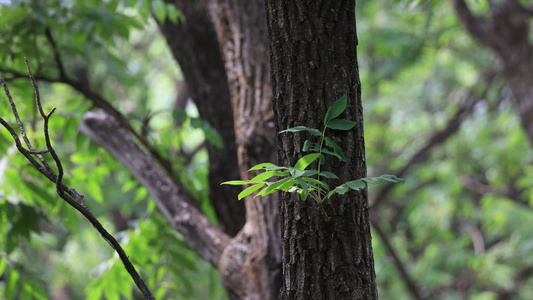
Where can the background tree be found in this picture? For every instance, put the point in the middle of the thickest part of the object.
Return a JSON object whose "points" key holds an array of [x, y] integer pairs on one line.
{"points": [[438, 112]]}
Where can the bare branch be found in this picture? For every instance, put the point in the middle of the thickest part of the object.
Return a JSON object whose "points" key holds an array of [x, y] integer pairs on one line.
{"points": [[97, 99], [72, 197]]}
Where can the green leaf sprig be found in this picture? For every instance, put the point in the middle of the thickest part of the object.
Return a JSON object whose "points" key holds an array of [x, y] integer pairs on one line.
{"points": [[308, 183]]}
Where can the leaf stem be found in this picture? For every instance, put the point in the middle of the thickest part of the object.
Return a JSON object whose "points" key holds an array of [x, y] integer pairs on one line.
{"points": [[320, 152]]}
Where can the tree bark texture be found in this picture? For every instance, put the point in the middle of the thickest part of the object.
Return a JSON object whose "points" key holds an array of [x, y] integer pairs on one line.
{"points": [[256, 251], [507, 32], [195, 47], [314, 62], [250, 266]]}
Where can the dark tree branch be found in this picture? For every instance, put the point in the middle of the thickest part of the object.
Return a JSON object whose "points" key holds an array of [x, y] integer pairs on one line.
{"points": [[72, 197], [477, 26], [437, 138], [178, 206], [57, 56], [206, 81], [409, 282]]}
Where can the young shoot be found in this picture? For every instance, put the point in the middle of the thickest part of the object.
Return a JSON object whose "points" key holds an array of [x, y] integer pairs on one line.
{"points": [[306, 182]]}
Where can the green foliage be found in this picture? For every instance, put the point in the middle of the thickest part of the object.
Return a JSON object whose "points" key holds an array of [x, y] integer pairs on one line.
{"points": [[432, 221], [117, 43], [308, 183]]}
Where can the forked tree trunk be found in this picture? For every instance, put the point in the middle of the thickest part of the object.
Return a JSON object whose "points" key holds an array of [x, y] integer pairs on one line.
{"points": [[250, 266], [314, 62], [194, 45]]}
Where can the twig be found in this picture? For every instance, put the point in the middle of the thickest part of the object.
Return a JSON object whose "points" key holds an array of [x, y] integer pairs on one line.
{"points": [[97, 99], [72, 197]]}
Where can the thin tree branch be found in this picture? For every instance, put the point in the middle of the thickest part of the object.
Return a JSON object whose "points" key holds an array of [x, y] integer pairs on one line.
{"points": [[57, 56], [72, 197], [97, 99], [409, 282]]}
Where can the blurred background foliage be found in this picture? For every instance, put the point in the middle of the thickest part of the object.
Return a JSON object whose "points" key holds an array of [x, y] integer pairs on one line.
{"points": [[437, 113]]}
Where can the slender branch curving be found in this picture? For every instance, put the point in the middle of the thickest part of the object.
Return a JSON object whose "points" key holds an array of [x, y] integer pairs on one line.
{"points": [[70, 195]]}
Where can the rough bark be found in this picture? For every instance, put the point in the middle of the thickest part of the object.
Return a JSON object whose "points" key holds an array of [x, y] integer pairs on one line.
{"points": [[506, 32], [313, 61], [251, 266], [194, 45]]}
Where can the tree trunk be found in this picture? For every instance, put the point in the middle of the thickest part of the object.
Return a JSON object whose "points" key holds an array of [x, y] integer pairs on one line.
{"points": [[314, 62], [507, 32], [250, 266], [256, 251], [194, 45]]}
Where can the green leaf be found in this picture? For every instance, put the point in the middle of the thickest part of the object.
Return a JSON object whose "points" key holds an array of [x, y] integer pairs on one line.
{"points": [[308, 173], [306, 146], [250, 190], [316, 182], [305, 188], [11, 284], [392, 178], [2, 266], [341, 189], [235, 182], [322, 158], [304, 194], [336, 109], [328, 175], [341, 124], [174, 14], [296, 172], [372, 180], [305, 161], [282, 174], [260, 166], [282, 184], [159, 10], [270, 168], [356, 184], [336, 149], [263, 176], [313, 131]]}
